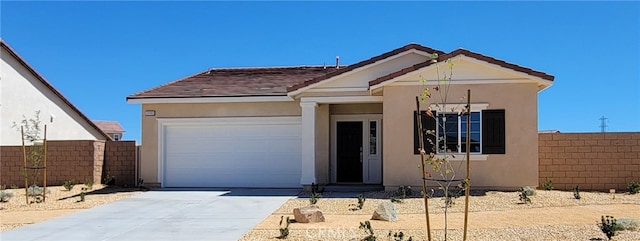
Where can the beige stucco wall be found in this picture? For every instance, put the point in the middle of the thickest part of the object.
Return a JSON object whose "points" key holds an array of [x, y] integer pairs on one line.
{"points": [[22, 94], [352, 109], [518, 167], [149, 158]]}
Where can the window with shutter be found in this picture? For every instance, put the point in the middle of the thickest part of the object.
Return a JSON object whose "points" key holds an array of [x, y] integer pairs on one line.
{"points": [[487, 132]]}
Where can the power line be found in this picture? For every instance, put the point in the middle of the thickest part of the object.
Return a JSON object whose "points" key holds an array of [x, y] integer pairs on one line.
{"points": [[603, 124]]}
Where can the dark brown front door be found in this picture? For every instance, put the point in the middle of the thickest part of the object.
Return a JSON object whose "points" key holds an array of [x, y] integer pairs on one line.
{"points": [[349, 151]]}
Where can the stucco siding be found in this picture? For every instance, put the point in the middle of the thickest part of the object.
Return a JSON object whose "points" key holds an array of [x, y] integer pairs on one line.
{"points": [[518, 167], [22, 94]]}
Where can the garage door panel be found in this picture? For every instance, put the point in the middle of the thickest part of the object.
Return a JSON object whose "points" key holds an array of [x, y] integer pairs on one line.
{"points": [[249, 152]]}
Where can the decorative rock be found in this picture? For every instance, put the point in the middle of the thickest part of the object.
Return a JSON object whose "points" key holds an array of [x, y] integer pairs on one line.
{"points": [[386, 211], [308, 214]]}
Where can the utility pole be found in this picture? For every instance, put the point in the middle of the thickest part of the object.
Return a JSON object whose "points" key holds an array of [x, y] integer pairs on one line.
{"points": [[603, 124]]}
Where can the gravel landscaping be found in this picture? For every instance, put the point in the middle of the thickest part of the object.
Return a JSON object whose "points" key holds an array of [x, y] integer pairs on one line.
{"points": [[16, 212], [552, 215]]}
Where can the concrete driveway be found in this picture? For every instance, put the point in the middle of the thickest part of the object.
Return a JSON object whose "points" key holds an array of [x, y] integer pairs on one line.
{"points": [[163, 215]]}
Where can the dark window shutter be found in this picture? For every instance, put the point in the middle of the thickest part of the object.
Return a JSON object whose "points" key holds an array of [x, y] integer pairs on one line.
{"points": [[428, 123], [493, 132]]}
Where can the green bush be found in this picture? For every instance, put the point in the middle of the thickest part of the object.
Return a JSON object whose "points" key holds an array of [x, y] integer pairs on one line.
{"points": [[548, 185], [576, 193], [526, 193], [284, 229], [89, 184], [633, 187], [314, 197], [68, 185]]}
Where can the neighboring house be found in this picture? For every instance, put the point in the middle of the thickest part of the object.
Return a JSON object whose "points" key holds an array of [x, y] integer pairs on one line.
{"points": [[112, 128], [294, 126], [23, 92]]}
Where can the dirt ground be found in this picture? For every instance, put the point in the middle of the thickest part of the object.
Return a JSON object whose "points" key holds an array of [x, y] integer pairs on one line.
{"points": [[553, 215], [16, 212]]}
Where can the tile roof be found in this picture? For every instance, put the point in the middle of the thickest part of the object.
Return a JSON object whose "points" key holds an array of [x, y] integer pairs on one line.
{"points": [[109, 126], [467, 53], [262, 81], [278, 81], [50, 87]]}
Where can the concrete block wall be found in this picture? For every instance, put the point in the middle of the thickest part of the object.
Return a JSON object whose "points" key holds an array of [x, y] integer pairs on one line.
{"points": [[120, 162], [594, 161], [66, 160]]}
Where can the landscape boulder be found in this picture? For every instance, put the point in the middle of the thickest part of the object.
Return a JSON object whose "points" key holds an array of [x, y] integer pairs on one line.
{"points": [[386, 211], [308, 214]]}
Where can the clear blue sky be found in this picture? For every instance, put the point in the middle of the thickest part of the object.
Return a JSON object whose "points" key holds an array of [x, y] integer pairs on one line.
{"points": [[97, 53]]}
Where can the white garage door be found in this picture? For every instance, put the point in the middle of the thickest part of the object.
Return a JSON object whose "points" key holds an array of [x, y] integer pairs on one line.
{"points": [[232, 152]]}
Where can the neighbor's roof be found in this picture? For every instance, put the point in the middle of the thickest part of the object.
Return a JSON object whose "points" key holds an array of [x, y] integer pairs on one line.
{"points": [[109, 126], [278, 81], [50, 87]]}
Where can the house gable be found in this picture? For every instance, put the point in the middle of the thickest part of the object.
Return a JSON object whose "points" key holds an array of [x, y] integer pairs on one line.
{"points": [[355, 77], [24, 91], [468, 68]]}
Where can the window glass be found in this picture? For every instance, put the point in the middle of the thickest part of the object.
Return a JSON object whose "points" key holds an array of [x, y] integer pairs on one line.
{"points": [[452, 133], [373, 137]]}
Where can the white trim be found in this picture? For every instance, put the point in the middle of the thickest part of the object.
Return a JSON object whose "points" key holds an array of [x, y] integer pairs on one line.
{"points": [[365, 119], [229, 99], [308, 141], [343, 99], [339, 89], [303, 89], [475, 107], [163, 123]]}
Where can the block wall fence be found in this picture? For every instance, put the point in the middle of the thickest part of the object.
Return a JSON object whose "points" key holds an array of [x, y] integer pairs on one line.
{"points": [[80, 161], [593, 161]]}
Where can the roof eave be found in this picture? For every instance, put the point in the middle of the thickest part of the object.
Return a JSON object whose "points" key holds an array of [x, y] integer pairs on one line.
{"points": [[53, 89]]}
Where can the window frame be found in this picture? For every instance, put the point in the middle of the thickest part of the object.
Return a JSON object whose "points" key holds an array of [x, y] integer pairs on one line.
{"points": [[459, 131], [455, 109]]}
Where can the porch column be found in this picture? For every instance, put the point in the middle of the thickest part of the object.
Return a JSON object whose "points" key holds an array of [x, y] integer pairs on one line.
{"points": [[308, 143]]}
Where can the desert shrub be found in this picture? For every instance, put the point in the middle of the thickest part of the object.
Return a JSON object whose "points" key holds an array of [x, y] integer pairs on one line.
{"points": [[452, 194], [284, 229], [608, 226], [633, 187], [576, 193], [526, 193], [402, 193], [529, 190], [627, 224], [14, 186], [398, 236], [366, 226], [360, 204], [5, 195], [314, 197], [109, 180], [68, 185], [89, 184], [35, 190], [548, 185], [316, 193]]}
